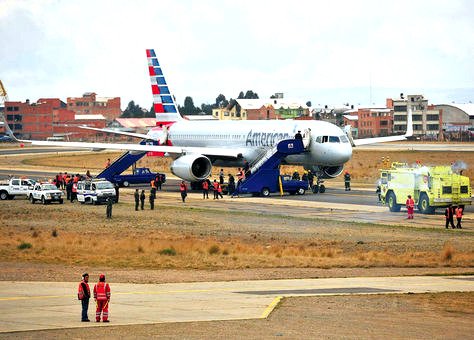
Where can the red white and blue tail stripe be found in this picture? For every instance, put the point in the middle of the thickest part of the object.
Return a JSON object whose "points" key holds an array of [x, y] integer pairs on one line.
{"points": [[166, 110]]}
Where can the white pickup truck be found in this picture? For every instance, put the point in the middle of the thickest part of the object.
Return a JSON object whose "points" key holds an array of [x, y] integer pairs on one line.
{"points": [[46, 193], [15, 187]]}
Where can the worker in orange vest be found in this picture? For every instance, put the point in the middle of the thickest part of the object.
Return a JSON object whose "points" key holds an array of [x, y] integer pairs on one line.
{"points": [[410, 204], [458, 212], [205, 189], [84, 294], [183, 189], [102, 298]]}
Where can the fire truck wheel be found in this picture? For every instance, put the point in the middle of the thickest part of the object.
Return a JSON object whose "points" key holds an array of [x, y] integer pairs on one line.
{"points": [[424, 205], [392, 202]]}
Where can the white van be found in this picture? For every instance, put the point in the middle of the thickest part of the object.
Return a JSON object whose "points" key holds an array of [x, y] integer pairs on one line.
{"points": [[95, 191]]}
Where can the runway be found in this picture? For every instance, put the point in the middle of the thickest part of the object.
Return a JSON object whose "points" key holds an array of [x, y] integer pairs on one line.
{"points": [[53, 305]]}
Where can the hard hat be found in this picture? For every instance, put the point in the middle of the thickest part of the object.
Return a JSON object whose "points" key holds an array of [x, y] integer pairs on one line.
{"points": [[101, 277]]}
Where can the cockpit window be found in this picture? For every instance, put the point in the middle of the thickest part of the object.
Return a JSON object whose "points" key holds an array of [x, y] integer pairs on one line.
{"points": [[318, 139], [344, 139], [333, 139]]}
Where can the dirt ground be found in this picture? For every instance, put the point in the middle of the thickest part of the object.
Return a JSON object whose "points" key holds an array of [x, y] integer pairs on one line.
{"points": [[215, 244], [416, 316]]}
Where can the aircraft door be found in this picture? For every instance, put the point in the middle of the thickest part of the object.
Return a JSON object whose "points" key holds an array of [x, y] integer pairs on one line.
{"points": [[306, 137]]}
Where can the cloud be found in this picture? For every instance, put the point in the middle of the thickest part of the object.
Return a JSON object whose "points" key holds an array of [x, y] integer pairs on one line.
{"points": [[307, 49]]}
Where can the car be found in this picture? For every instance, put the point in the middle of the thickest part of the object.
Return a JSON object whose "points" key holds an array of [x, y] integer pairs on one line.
{"points": [[46, 193], [15, 187], [95, 191], [139, 176]]}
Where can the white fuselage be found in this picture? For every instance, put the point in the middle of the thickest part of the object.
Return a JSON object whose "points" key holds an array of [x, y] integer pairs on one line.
{"points": [[328, 145]]}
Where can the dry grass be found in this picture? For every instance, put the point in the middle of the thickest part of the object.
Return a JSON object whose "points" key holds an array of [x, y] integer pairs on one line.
{"points": [[80, 235]]}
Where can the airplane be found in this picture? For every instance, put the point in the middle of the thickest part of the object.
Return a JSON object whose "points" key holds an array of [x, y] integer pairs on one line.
{"points": [[197, 146]]}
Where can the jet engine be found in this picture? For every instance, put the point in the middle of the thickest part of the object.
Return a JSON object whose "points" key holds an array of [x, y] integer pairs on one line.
{"points": [[192, 167], [327, 171]]}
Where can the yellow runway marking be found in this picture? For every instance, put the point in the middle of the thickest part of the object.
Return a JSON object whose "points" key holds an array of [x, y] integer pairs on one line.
{"points": [[270, 307]]}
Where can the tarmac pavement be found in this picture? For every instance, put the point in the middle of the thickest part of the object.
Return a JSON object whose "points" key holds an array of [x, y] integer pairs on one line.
{"points": [[51, 305]]}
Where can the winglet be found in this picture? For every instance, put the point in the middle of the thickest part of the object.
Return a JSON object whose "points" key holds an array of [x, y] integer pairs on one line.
{"points": [[166, 110], [409, 132]]}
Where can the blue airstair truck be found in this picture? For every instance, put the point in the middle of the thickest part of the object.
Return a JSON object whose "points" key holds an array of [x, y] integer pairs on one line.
{"points": [[265, 172]]}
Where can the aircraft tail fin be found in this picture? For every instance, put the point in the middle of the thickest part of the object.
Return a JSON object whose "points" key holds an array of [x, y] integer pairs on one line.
{"points": [[166, 110]]}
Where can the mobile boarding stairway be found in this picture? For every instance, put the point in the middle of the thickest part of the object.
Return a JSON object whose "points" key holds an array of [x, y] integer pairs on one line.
{"points": [[265, 172], [121, 164]]}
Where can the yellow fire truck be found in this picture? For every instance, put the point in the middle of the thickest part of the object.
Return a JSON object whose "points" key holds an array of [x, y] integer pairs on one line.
{"points": [[430, 186]]}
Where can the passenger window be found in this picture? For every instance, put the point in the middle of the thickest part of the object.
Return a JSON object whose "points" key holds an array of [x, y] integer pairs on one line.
{"points": [[333, 139]]}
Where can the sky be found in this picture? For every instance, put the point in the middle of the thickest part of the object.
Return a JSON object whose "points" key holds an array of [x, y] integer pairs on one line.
{"points": [[327, 52]]}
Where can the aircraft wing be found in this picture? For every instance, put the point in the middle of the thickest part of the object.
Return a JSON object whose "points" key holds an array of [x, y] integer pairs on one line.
{"points": [[169, 150], [365, 141], [131, 134]]}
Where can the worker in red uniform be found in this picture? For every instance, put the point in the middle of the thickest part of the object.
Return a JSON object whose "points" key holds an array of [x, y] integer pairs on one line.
{"points": [[84, 294], [410, 204], [205, 189], [458, 212], [183, 189], [102, 299]]}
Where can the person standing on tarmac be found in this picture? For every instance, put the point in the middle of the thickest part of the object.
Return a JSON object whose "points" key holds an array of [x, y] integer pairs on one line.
{"points": [[117, 192], [84, 294], [448, 214], [347, 181], [142, 200], [458, 212], [109, 207], [152, 200], [137, 199], [410, 204], [231, 185], [205, 189], [221, 176], [183, 189], [102, 299]]}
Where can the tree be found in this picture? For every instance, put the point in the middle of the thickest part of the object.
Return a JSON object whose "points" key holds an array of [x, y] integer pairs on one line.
{"points": [[241, 95], [207, 108], [221, 101], [308, 103], [133, 111], [188, 108], [250, 95]]}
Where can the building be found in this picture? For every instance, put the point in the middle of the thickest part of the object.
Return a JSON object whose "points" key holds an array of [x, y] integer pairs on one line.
{"points": [[457, 119], [263, 109], [351, 118], [374, 122], [426, 118], [48, 118], [89, 103]]}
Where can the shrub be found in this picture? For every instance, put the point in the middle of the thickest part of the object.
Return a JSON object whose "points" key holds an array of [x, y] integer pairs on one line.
{"points": [[25, 245], [168, 251], [54, 233], [448, 252], [214, 249]]}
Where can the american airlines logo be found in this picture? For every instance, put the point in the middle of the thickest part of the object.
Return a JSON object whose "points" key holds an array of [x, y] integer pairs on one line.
{"points": [[264, 138]]}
